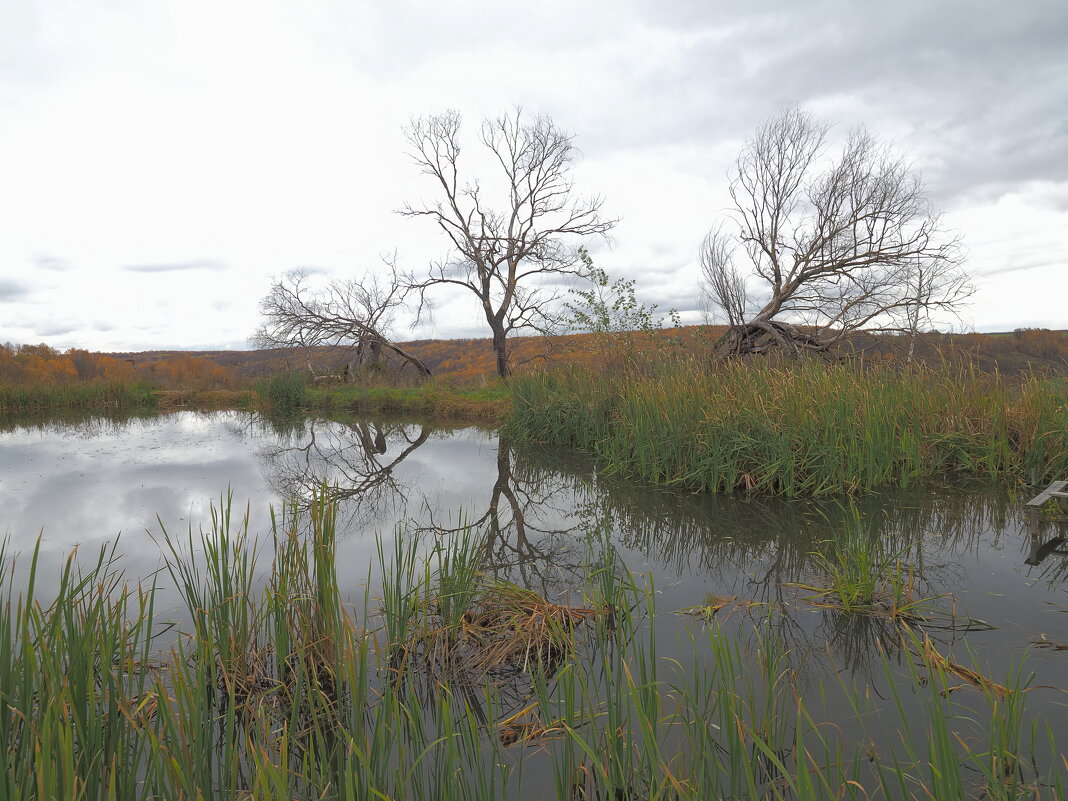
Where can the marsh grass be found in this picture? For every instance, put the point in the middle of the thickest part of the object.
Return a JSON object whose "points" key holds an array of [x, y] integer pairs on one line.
{"points": [[798, 429], [86, 395], [462, 627], [860, 573], [449, 684], [281, 392]]}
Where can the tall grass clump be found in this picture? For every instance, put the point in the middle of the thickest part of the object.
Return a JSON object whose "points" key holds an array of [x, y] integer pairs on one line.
{"points": [[801, 429], [88, 395], [281, 392]]}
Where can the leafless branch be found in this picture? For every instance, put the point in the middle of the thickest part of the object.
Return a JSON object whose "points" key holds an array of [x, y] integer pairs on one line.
{"points": [[836, 245], [510, 255], [354, 316]]}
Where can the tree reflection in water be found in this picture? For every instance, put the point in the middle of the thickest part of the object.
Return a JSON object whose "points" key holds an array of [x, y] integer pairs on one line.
{"points": [[529, 533], [355, 460]]}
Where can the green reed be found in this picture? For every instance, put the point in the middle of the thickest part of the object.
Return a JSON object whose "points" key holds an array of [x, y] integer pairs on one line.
{"points": [[802, 429], [284, 391], [274, 687], [860, 571]]}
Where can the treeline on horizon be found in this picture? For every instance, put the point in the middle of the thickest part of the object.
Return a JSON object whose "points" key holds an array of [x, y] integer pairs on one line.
{"points": [[471, 360]]}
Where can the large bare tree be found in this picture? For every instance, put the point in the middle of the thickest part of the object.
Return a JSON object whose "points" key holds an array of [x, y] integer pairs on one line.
{"points": [[349, 318], [832, 245], [514, 233]]}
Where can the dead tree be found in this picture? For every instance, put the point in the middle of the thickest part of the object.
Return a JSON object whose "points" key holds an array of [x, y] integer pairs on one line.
{"points": [[833, 246], [510, 252], [350, 317]]}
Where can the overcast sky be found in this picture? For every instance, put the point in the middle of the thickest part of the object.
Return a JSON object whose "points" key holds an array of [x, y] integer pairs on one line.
{"points": [[161, 161]]}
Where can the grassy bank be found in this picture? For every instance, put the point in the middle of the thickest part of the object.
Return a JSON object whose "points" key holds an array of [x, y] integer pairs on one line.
{"points": [[116, 396], [88, 395], [438, 401], [282, 392], [801, 429], [451, 684], [290, 392]]}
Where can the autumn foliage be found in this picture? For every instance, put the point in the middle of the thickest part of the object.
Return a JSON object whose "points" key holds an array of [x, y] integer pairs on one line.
{"points": [[43, 366]]}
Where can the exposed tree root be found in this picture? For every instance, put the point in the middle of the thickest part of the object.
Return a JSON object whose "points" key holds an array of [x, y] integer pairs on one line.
{"points": [[759, 337]]}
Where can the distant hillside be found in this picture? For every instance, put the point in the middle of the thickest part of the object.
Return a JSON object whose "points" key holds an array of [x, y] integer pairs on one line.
{"points": [[466, 360]]}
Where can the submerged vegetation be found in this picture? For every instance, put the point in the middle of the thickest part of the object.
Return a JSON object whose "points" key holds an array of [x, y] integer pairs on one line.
{"points": [[448, 682], [799, 429]]}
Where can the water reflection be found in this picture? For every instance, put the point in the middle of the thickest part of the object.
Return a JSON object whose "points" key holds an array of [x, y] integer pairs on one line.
{"points": [[535, 511], [73, 422], [530, 534], [969, 551], [524, 512], [355, 460], [538, 513], [1048, 540]]}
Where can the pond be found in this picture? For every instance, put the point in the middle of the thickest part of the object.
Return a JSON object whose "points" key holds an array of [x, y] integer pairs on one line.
{"points": [[992, 577]]}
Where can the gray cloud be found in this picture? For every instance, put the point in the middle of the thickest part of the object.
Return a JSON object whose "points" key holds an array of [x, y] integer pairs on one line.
{"points": [[210, 265], [54, 330], [11, 290], [973, 91], [968, 89], [51, 263]]}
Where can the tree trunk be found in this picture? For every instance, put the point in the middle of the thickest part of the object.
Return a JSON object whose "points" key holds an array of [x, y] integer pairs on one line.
{"points": [[500, 351], [374, 356]]}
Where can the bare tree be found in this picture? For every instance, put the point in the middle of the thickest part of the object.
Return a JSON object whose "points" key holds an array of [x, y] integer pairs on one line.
{"points": [[932, 290], [508, 255], [833, 245], [350, 317]]}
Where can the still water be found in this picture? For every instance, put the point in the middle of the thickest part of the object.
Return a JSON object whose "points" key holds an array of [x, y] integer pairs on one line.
{"points": [[1000, 574]]}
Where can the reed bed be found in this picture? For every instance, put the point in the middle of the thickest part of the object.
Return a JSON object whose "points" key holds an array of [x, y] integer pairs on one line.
{"points": [[448, 684], [801, 430], [94, 395]]}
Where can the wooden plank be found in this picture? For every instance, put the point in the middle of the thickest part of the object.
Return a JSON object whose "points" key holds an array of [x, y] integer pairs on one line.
{"points": [[1054, 490]]}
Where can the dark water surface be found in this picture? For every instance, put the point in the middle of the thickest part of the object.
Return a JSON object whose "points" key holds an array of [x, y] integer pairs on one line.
{"points": [[83, 482]]}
